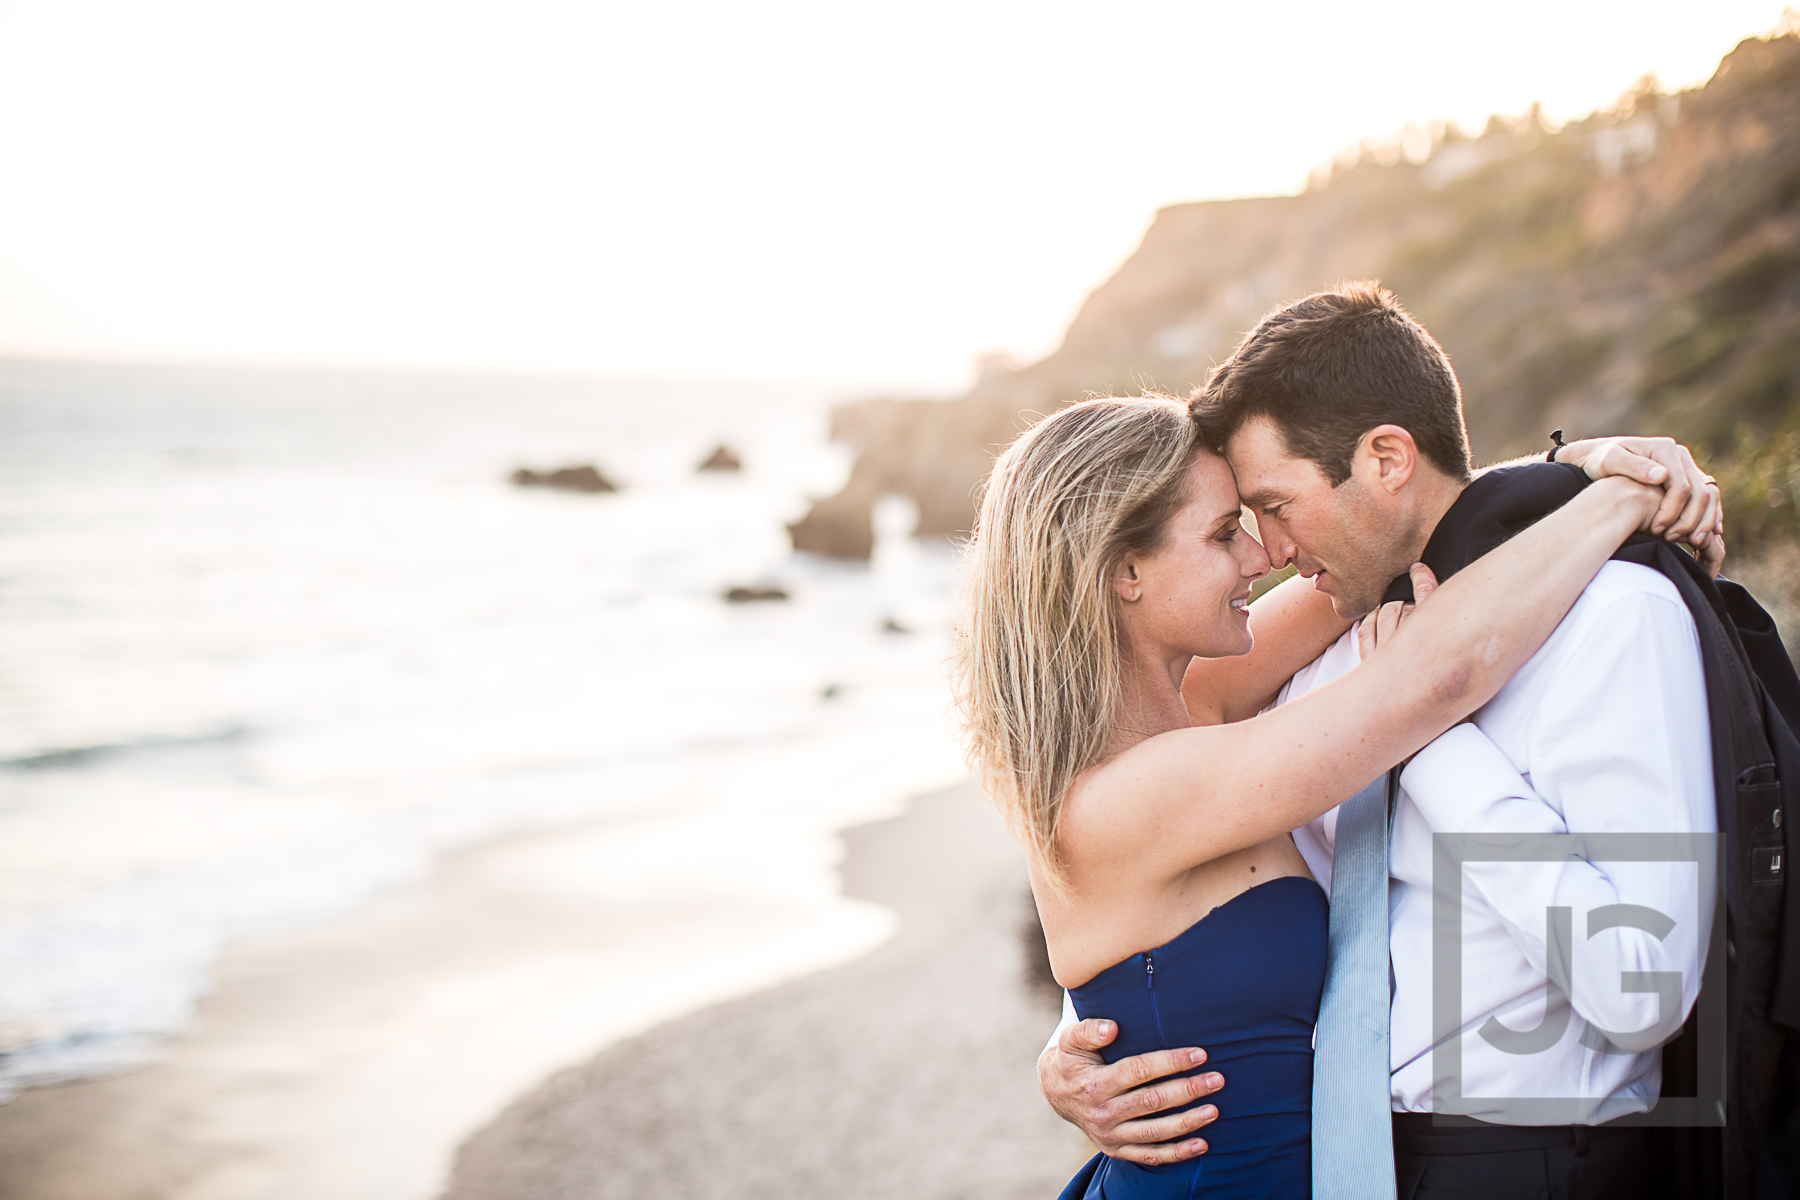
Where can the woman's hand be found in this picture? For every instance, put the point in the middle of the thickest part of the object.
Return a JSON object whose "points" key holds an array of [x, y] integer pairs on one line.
{"points": [[1690, 508], [1379, 627]]}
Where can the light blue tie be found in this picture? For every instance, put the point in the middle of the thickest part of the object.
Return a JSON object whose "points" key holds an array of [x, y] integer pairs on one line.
{"points": [[1352, 1135]]}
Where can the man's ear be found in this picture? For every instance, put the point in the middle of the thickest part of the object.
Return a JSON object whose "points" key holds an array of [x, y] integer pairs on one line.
{"points": [[1125, 582], [1387, 456]]}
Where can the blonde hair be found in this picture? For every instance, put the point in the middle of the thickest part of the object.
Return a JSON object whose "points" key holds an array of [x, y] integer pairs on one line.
{"points": [[1036, 667]]}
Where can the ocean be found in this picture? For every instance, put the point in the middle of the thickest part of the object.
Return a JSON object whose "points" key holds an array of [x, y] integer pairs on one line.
{"points": [[274, 641]]}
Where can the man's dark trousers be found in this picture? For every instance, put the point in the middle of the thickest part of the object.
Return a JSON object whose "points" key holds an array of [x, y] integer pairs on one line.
{"points": [[1525, 1162]]}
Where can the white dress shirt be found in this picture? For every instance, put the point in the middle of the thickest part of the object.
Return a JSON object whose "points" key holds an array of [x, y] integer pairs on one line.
{"points": [[1604, 730]]}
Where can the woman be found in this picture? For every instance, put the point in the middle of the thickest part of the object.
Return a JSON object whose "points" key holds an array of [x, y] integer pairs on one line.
{"points": [[1109, 556]]}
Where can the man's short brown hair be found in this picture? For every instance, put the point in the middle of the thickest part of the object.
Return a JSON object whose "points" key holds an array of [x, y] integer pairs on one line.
{"points": [[1331, 367]]}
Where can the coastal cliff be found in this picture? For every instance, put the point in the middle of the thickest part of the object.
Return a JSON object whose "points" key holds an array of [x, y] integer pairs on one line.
{"points": [[1634, 271]]}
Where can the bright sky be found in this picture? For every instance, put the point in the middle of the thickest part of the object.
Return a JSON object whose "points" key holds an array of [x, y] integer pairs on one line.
{"points": [[787, 188]]}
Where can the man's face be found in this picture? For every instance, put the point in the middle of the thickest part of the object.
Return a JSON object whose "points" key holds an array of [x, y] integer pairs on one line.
{"points": [[1345, 539]]}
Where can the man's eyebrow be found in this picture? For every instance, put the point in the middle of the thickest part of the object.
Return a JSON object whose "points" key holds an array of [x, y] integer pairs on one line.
{"points": [[1261, 498]]}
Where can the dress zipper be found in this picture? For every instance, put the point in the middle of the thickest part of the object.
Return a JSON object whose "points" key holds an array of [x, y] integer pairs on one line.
{"points": [[1150, 986]]}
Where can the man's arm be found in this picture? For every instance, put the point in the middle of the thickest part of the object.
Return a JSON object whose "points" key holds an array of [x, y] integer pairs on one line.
{"points": [[1116, 1105]]}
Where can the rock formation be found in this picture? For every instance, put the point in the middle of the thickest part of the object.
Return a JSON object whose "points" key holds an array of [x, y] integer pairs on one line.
{"points": [[752, 593], [585, 478], [723, 458], [1638, 270]]}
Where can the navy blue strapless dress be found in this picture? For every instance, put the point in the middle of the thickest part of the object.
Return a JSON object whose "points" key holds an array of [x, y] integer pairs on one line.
{"points": [[1244, 983]]}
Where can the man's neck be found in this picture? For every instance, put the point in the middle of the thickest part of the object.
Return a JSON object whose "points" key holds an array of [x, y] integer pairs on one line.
{"points": [[1438, 492], [1432, 505]]}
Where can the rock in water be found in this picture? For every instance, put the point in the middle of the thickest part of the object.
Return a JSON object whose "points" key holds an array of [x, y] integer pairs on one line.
{"points": [[584, 478], [723, 458], [747, 595], [931, 451], [840, 526]]}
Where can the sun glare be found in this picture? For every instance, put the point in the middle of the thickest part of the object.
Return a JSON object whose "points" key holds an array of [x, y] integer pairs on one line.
{"points": [[789, 189]]}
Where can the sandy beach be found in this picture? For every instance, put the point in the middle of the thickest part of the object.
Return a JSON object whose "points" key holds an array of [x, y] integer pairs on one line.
{"points": [[905, 1073], [353, 1059]]}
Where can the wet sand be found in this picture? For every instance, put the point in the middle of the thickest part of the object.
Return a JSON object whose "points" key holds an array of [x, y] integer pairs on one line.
{"points": [[350, 1060], [908, 1073]]}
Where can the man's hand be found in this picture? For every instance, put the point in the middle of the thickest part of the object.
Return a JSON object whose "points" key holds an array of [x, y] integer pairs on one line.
{"points": [[1115, 1105], [1690, 508]]}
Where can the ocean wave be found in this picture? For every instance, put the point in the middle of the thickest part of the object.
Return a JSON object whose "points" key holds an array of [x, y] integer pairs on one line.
{"points": [[242, 700], [84, 756]]}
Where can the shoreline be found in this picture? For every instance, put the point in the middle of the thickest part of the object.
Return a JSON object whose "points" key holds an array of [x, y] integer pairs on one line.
{"points": [[908, 1072], [347, 1060]]}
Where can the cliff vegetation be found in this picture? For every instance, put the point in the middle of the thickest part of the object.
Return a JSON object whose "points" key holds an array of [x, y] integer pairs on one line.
{"points": [[1634, 271]]}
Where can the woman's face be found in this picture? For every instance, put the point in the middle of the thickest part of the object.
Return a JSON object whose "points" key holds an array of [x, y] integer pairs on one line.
{"points": [[1192, 595]]}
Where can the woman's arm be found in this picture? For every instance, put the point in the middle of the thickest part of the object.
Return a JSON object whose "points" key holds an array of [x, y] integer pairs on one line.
{"points": [[1292, 624], [1188, 796], [1690, 511]]}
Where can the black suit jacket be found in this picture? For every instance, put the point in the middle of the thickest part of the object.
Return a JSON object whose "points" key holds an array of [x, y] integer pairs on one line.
{"points": [[1753, 703]]}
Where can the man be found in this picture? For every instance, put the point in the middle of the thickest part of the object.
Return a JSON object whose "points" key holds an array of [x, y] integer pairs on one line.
{"points": [[1342, 419]]}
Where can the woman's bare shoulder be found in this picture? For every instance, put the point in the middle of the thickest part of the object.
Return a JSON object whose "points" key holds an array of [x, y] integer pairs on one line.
{"points": [[1115, 804], [1108, 920]]}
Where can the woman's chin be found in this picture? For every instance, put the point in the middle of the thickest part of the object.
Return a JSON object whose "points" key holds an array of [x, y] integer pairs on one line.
{"points": [[1239, 636], [1234, 644]]}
